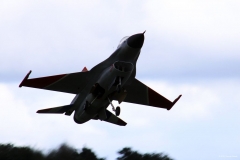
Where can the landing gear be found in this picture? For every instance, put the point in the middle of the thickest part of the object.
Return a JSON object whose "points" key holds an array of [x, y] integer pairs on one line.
{"points": [[117, 110], [97, 90]]}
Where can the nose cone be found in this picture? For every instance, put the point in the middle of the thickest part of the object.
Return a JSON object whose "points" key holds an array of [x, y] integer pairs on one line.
{"points": [[136, 41]]}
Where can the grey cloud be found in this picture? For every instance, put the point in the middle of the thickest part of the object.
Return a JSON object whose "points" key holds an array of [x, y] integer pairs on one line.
{"points": [[61, 37], [205, 121]]}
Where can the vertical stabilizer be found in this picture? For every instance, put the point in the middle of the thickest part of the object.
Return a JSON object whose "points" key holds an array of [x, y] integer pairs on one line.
{"points": [[84, 69]]}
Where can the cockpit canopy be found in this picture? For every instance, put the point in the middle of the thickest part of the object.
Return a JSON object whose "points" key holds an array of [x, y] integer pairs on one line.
{"points": [[122, 40]]}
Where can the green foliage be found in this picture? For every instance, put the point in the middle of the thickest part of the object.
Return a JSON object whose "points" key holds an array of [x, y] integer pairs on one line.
{"points": [[65, 152], [128, 154], [10, 152], [62, 153], [88, 154]]}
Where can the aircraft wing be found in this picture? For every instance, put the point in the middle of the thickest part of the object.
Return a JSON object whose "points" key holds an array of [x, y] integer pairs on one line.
{"points": [[69, 83], [139, 93]]}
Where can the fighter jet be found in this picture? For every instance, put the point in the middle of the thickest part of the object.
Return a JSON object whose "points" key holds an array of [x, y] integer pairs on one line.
{"points": [[95, 89]]}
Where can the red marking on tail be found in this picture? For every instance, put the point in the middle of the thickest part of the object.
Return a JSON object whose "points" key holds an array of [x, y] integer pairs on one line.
{"points": [[84, 69]]}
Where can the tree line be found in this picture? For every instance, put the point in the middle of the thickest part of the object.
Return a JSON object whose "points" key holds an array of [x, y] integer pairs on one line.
{"points": [[66, 152]]}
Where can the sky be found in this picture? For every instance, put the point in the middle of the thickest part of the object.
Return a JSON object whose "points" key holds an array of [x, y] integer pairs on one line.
{"points": [[191, 48]]}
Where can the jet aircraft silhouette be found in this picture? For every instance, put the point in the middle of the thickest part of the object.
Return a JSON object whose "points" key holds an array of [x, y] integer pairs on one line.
{"points": [[112, 79]]}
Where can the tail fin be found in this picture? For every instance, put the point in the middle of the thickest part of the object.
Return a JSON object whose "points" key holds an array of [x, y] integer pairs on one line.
{"points": [[84, 69]]}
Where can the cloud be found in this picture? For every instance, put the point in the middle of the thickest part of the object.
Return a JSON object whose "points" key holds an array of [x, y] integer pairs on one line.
{"points": [[191, 40], [204, 118], [183, 39], [191, 48], [205, 23], [22, 126]]}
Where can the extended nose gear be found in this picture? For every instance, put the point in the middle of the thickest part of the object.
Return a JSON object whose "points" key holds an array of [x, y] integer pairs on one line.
{"points": [[117, 110]]}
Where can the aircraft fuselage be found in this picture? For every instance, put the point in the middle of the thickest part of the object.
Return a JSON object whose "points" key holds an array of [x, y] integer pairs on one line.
{"points": [[122, 67]]}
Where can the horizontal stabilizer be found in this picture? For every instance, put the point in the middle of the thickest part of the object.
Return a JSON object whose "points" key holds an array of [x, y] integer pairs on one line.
{"points": [[56, 110], [111, 118]]}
